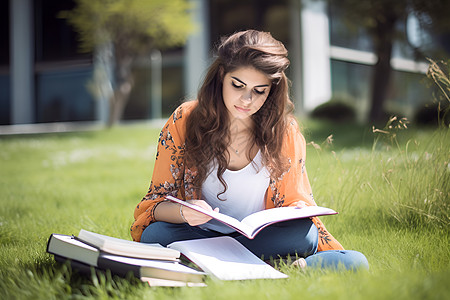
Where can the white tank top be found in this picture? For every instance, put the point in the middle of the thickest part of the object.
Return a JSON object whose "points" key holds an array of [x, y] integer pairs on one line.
{"points": [[246, 189]]}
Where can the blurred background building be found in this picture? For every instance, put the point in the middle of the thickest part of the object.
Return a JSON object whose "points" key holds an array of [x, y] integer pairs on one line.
{"points": [[43, 78]]}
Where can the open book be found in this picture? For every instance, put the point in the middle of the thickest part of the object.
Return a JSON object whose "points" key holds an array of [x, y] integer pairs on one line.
{"points": [[251, 225], [225, 258]]}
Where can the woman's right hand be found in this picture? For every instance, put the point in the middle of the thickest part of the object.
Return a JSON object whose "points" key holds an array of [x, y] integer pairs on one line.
{"points": [[194, 217]]}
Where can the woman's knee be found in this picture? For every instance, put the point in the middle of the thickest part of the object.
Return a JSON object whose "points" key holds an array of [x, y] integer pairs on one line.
{"points": [[335, 259], [157, 232], [312, 238], [304, 236]]}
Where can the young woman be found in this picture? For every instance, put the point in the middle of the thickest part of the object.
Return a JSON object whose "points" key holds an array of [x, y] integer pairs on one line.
{"points": [[238, 148]]}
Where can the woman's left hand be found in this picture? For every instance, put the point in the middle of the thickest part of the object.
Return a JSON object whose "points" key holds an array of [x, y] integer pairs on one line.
{"points": [[193, 217], [299, 204]]}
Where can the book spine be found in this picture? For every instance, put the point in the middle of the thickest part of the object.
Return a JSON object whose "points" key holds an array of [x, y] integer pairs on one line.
{"points": [[118, 268], [48, 243]]}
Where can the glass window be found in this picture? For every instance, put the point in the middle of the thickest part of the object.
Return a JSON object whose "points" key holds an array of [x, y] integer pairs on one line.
{"points": [[4, 100], [55, 40], [227, 17], [350, 83], [62, 72], [4, 64], [346, 34], [407, 93], [139, 105], [4, 33], [62, 95]]}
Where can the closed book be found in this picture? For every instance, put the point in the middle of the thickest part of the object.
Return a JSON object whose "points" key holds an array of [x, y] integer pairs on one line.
{"points": [[127, 248], [85, 269], [80, 267], [149, 268], [67, 247]]}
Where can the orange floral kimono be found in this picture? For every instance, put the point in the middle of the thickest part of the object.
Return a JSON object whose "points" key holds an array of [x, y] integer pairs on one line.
{"points": [[171, 177]]}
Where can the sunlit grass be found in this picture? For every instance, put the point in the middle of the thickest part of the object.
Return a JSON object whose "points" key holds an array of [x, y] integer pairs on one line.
{"points": [[392, 195]]}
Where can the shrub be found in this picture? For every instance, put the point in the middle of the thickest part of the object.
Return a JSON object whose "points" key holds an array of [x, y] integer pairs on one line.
{"points": [[334, 110], [433, 114]]}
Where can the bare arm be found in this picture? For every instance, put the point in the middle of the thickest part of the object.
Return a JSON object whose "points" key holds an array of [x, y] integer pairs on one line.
{"points": [[171, 212]]}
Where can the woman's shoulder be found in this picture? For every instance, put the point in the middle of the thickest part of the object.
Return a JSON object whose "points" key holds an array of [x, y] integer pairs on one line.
{"points": [[183, 110], [293, 127]]}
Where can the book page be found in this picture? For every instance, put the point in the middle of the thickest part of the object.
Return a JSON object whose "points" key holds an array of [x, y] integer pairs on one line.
{"points": [[261, 219], [226, 259], [230, 221], [170, 283]]}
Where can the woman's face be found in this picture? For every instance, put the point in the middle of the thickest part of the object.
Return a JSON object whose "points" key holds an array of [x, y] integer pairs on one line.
{"points": [[244, 92]]}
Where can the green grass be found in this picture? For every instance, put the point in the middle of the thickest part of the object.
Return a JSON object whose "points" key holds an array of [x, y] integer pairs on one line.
{"points": [[392, 196]]}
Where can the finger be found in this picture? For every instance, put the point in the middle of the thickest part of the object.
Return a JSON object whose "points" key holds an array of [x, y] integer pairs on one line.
{"points": [[202, 204], [301, 204]]}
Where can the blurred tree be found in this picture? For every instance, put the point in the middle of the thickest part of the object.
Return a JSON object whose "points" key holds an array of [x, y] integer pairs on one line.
{"points": [[121, 31], [380, 18]]}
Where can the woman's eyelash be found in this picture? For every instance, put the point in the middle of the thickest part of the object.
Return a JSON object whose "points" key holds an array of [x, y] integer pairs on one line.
{"points": [[237, 86], [242, 86]]}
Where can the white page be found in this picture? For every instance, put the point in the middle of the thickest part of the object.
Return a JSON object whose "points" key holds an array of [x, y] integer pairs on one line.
{"points": [[226, 259], [261, 219], [126, 247], [230, 221]]}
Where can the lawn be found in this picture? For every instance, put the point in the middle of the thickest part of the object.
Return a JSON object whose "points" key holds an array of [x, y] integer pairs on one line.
{"points": [[391, 190]]}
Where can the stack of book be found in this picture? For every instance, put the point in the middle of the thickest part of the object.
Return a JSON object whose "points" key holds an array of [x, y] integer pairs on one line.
{"points": [[221, 258], [152, 263]]}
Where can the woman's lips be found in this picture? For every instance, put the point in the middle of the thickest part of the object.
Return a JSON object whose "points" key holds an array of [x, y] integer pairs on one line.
{"points": [[241, 109]]}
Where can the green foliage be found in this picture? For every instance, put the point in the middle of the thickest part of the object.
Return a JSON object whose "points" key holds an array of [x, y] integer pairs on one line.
{"points": [[438, 112], [135, 25], [391, 191], [440, 74]]}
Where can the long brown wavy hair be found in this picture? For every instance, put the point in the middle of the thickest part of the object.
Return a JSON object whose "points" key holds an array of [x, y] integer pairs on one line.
{"points": [[208, 125]]}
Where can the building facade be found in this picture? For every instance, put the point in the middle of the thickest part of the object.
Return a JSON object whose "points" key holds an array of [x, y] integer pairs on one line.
{"points": [[43, 78]]}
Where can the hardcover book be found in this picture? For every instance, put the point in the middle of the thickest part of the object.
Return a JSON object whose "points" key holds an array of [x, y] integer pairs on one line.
{"points": [[251, 225], [84, 256]]}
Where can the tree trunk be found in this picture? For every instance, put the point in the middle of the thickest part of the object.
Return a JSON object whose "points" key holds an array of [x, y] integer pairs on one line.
{"points": [[124, 83], [384, 35], [118, 102]]}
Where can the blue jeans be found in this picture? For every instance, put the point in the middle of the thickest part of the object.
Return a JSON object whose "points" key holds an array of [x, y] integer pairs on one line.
{"points": [[294, 238]]}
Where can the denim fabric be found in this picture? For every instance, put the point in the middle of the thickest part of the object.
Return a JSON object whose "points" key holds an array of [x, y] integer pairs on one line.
{"points": [[335, 259], [291, 237], [295, 238]]}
